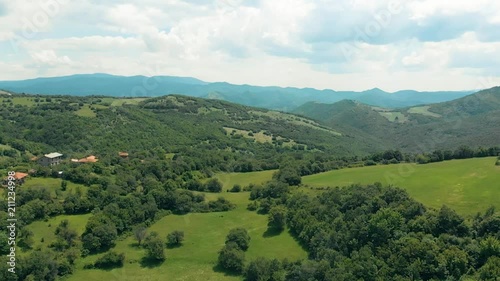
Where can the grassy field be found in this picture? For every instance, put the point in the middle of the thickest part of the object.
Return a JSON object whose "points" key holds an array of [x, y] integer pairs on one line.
{"points": [[85, 111], [53, 184], [204, 237], [424, 110], [244, 179], [391, 116], [468, 186], [45, 229]]}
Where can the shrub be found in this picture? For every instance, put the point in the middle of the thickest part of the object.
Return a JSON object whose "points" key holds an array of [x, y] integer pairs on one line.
{"points": [[175, 238], [236, 188], [110, 260]]}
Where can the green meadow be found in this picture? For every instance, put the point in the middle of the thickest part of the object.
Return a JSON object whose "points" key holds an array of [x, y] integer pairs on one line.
{"points": [[468, 186], [196, 258], [244, 179]]}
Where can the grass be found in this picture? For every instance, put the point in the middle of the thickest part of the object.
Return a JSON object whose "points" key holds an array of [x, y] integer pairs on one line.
{"points": [[394, 116], [45, 229], [468, 186], [85, 111], [25, 101], [120, 102], [295, 120], [244, 179], [53, 184], [196, 258], [424, 110]]}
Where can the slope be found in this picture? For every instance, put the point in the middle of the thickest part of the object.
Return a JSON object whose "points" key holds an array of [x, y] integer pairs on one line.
{"points": [[471, 120]]}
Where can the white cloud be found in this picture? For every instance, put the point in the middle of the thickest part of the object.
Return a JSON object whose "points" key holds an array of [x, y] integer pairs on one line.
{"points": [[425, 44]]}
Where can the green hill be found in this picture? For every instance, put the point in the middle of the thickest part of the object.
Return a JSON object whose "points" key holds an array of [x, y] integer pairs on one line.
{"points": [[468, 186], [471, 120]]}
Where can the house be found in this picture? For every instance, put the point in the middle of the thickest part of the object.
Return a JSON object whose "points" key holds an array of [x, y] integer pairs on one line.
{"points": [[19, 179], [89, 159], [123, 154], [50, 159]]}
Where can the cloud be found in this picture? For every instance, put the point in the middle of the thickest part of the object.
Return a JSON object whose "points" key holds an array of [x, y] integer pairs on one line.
{"points": [[3, 9], [339, 44]]}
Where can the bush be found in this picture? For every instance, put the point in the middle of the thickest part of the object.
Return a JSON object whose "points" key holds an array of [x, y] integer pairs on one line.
{"points": [[236, 188], [253, 206], [220, 205], [110, 260], [214, 185], [370, 163], [231, 257], [175, 238], [240, 237]]}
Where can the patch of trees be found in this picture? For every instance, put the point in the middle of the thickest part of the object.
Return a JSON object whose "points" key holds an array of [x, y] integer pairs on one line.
{"points": [[463, 152], [232, 255]]}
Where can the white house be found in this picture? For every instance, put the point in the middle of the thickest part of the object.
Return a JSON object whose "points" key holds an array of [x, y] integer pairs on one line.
{"points": [[50, 159]]}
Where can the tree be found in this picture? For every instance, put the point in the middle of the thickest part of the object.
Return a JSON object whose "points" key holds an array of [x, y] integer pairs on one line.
{"points": [[175, 238], [100, 233], [64, 185], [491, 270], [288, 175], [240, 237], [236, 188], [277, 218], [154, 246], [231, 257], [214, 185], [110, 260], [448, 221], [140, 233]]}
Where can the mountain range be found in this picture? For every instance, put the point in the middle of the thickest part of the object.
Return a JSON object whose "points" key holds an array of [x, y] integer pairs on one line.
{"points": [[276, 98]]}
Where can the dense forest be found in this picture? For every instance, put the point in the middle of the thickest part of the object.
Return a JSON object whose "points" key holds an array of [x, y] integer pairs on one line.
{"points": [[176, 144], [376, 233]]}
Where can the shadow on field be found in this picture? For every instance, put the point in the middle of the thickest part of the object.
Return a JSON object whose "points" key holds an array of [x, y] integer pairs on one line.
{"points": [[219, 269], [271, 232], [150, 263], [175, 246]]}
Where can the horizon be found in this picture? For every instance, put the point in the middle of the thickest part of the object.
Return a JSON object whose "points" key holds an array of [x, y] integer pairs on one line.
{"points": [[251, 85], [421, 45]]}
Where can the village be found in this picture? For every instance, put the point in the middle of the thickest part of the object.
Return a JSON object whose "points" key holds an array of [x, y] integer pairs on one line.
{"points": [[50, 160]]}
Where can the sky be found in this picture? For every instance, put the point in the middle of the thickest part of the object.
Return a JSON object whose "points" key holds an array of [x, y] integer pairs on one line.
{"points": [[335, 44]]}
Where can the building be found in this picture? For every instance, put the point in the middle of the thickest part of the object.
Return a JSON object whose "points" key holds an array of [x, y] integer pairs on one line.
{"points": [[123, 154], [19, 179], [50, 159], [89, 159]]}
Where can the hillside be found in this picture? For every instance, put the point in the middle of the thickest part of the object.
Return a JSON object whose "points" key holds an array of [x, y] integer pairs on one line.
{"points": [[471, 120], [467, 185], [206, 133], [266, 97]]}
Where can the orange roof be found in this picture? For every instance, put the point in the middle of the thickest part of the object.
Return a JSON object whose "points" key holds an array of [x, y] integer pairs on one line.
{"points": [[89, 159], [19, 175]]}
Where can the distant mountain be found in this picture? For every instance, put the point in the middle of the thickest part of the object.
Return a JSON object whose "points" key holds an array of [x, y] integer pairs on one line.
{"points": [[277, 98], [471, 120]]}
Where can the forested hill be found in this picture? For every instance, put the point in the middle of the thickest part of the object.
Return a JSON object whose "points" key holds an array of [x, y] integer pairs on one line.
{"points": [[204, 133], [474, 119], [266, 97]]}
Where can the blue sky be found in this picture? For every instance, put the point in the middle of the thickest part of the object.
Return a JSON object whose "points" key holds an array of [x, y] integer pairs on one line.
{"points": [[336, 44]]}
